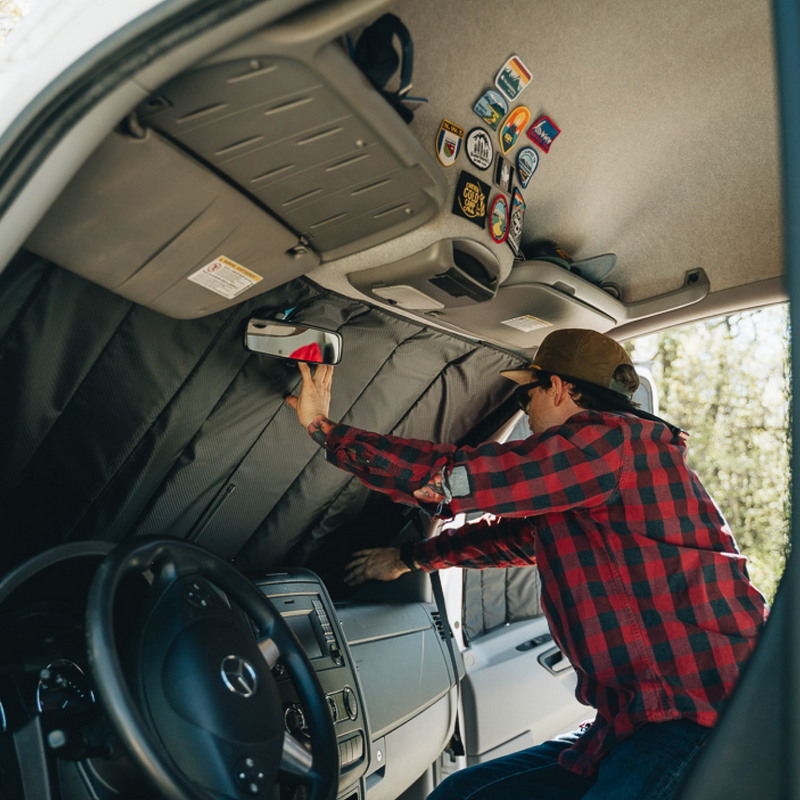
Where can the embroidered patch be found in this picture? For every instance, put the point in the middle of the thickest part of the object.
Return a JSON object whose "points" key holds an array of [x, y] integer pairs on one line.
{"points": [[448, 142], [472, 199], [543, 132], [513, 77], [498, 219], [513, 127], [491, 108], [527, 161], [503, 174], [517, 217], [480, 149]]}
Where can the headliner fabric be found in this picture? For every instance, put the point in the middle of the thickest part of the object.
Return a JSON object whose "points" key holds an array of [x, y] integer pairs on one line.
{"points": [[118, 421], [669, 151]]}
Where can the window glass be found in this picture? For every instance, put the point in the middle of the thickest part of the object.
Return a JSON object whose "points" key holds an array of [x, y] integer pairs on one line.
{"points": [[726, 382]]}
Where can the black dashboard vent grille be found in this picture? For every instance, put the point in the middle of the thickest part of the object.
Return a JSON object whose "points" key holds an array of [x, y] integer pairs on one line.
{"points": [[437, 621]]}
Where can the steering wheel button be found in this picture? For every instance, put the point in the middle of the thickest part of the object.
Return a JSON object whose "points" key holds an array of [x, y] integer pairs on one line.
{"points": [[198, 594], [249, 776]]}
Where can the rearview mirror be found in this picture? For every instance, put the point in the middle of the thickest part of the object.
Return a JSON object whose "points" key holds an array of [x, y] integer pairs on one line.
{"points": [[292, 341]]}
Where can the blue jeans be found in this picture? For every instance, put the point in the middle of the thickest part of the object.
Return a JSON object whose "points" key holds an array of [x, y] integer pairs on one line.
{"points": [[650, 765]]}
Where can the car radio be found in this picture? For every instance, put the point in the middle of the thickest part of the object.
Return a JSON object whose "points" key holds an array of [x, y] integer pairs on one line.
{"points": [[301, 599]]}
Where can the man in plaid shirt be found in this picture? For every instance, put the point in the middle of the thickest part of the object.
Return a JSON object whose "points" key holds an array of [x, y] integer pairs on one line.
{"points": [[642, 583]]}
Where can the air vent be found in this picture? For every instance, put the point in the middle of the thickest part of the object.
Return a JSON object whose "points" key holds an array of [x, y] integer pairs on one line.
{"points": [[437, 621]]}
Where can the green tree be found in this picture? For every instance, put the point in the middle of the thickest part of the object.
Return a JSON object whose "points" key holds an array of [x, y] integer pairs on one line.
{"points": [[726, 382], [11, 14]]}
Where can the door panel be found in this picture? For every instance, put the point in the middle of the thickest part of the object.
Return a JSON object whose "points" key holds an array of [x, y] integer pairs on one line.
{"points": [[518, 690]]}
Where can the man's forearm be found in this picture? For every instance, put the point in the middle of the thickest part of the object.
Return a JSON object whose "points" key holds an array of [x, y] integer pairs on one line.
{"points": [[495, 543], [319, 428], [407, 470]]}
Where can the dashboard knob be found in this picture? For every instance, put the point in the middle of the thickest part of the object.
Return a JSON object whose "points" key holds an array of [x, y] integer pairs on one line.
{"points": [[334, 709], [350, 702]]}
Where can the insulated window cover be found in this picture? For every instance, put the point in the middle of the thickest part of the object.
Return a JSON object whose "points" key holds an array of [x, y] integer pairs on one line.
{"points": [[496, 597], [118, 421]]}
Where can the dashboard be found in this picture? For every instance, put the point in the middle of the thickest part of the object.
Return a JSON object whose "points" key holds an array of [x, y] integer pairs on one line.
{"points": [[56, 740], [47, 680]]}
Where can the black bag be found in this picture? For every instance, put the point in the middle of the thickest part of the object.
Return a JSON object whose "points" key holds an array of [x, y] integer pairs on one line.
{"points": [[376, 57]]}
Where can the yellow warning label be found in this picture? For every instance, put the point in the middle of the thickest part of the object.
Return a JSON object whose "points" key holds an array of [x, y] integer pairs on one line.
{"points": [[526, 323], [225, 277], [240, 269]]}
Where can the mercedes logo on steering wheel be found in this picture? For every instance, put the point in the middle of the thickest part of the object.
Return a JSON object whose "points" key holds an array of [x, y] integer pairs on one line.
{"points": [[239, 676]]}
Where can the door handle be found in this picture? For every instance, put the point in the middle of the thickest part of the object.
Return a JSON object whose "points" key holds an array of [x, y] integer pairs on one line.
{"points": [[536, 642], [554, 661]]}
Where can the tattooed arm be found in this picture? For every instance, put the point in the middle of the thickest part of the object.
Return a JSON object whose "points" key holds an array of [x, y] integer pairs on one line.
{"points": [[432, 491], [319, 428], [363, 460]]}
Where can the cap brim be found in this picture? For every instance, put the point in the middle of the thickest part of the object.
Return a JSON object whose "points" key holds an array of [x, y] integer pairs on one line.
{"points": [[520, 375]]}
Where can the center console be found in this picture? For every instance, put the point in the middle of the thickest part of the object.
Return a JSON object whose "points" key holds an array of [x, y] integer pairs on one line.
{"points": [[302, 601], [388, 680]]}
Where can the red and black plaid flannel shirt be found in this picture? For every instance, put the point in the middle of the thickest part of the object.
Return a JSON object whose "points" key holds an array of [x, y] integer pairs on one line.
{"points": [[642, 583]]}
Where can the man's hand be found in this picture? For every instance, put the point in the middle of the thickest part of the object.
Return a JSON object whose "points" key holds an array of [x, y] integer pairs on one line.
{"points": [[380, 564], [315, 394]]}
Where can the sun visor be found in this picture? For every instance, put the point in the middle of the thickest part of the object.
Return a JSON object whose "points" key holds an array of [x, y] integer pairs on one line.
{"points": [[146, 221], [309, 139]]}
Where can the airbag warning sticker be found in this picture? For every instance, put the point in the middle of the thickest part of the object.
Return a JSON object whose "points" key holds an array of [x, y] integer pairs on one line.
{"points": [[526, 323], [225, 277]]}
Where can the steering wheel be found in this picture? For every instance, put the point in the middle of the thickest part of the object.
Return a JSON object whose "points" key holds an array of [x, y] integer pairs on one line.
{"points": [[192, 695]]}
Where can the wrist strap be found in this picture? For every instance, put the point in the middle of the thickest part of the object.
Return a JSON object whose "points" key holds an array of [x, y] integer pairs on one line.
{"points": [[407, 556]]}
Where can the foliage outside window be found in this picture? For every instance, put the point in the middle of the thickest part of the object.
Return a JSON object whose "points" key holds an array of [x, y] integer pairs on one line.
{"points": [[726, 381], [11, 14]]}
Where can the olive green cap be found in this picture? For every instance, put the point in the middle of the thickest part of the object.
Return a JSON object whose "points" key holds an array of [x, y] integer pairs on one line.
{"points": [[577, 353]]}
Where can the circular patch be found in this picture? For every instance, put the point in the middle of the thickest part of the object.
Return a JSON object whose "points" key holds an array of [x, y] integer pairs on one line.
{"points": [[498, 220], [480, 149]]}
